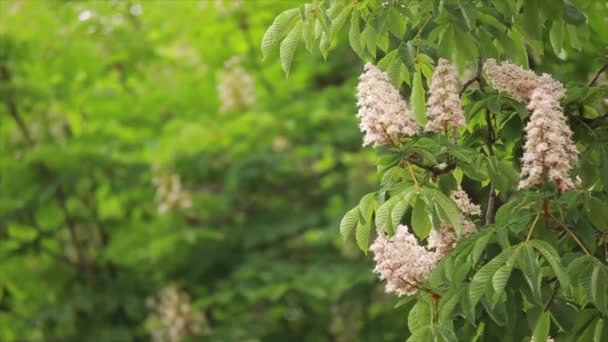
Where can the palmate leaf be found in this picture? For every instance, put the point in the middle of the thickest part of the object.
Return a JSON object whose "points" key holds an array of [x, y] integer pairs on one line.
{"points": [[417, 99], [367, 206], [349, 222], [421, 224], [543, 324], [281, 24], [484, 276], [339, 20], [420, 316], [288, 47], [354, 33], [308, 30], [549, 253], [448, 209]]}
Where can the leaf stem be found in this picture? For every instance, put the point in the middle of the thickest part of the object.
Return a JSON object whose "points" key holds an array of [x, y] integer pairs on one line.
{"points": [[597, 74], [532, 226], [409, 167], [579, 242]]}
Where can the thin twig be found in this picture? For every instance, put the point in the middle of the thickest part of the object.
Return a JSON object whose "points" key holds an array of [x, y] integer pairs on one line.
{"points": [[579, 242], [597, 74], [532, 226], [553, 294], [432, 168], [478, 78], [409, 167]]}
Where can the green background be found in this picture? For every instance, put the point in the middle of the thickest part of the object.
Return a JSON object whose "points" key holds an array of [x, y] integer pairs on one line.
{"points": [[106, 90]]}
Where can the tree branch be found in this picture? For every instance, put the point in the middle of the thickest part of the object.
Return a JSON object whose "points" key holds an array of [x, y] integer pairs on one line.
{"points": [[478, 78], [597, 74], [436, 171]]}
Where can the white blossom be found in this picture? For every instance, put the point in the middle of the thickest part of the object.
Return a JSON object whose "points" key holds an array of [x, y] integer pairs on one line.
{"points": [[236, 87], [169, 192], [444, 108], [549, 150], [404, 263], [401, 261], [173, 319], [384, 114], [519, 83]]}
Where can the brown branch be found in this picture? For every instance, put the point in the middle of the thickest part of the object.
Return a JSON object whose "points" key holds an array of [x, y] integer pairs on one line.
{"points": [[597, 75], [432, 168], [478, 78], [490, 140], [553, 295]]}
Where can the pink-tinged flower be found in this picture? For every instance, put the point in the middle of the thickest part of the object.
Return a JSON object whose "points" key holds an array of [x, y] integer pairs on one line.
{"points": [[549, 151], [384, 114], [444, 108], [519, 83], [401, 261]]}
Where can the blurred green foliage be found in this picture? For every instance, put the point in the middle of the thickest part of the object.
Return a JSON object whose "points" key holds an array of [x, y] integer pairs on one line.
{"points": [[94, 95]]}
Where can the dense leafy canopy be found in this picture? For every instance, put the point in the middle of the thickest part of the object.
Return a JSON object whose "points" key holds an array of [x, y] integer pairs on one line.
{"points": [[537, 266]]}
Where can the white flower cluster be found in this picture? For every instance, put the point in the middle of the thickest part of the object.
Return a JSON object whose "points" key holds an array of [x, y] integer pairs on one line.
{"points": [[444, 108], [519, 83], [236, 87], [403, 263], [549, 152], [169, 192], [384, 114], [173, 318]]}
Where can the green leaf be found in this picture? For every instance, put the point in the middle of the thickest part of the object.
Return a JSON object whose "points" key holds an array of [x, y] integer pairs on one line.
{"points": [[469, 13], [324, 45], [366, 207], [449, 209], [599, 286], [500, 278], [446, 332], [406, 54], [483, 277], [556, 36], [598, 335], [288, 47], [420, 316], [528, 264], [349, 221], [369, 37], [279, 26], [421, 224], [362, 235], [308, 31], [597, 213], [401, 206], [573, 15], [448, 303], [354, 34], [392, 66], [339, 20], [417, 99], [543, 324], [549, 253]]}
